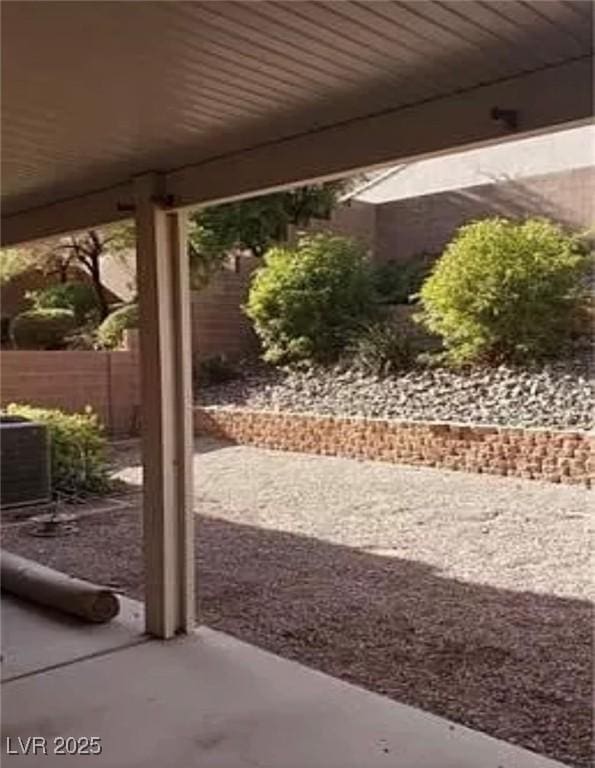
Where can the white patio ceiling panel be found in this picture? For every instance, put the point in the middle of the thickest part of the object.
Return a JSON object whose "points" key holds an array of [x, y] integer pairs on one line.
{"points": [[95, 92]]}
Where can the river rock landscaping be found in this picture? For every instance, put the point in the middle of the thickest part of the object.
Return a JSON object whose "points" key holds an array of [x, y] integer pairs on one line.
{"points": [[558, 395]]}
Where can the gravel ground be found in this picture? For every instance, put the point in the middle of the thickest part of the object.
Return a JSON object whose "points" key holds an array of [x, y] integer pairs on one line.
{"points": [[557, 395], [464, 595]]}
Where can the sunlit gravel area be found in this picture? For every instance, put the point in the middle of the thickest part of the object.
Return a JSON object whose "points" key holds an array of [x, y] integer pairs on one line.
{"points": [[465, 595]]}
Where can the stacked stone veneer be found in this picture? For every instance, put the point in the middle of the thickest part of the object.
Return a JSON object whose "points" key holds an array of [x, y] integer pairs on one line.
{"points": [[555, 456]]}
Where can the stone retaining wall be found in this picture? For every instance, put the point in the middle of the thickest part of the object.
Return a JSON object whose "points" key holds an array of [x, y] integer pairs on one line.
{"points": [[567, 457]]}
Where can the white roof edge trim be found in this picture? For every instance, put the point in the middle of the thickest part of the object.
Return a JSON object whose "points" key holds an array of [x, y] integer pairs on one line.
{"points": [[527, 157]]}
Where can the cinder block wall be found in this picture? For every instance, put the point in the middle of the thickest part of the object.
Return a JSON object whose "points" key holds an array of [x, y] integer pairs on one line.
{"points": [[554, 456], [72, 380], [219, 325], [353, 219]]}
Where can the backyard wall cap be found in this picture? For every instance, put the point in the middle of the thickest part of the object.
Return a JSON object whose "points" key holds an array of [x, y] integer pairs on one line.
{"points": [[529, 453], [449, 426]]}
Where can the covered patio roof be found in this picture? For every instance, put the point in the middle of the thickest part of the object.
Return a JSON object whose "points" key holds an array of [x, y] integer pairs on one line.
{"points": [[229, 98], [119, 109], [113, 110]]}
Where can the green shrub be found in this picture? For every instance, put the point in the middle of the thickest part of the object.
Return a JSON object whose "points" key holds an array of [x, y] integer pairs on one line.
{"points": [[76, 296], [42, 328], [398, 283], [505, 290], [77, 447], [380, 348], [111, 331], [305, 301]]}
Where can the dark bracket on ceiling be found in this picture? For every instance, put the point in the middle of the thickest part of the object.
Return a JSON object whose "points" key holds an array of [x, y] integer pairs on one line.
{"points": [[165, 201], [508, 117]]}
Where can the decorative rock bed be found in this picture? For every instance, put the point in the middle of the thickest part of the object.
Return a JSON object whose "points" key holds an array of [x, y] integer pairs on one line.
{"points": [[542, 454], [555, 396]]}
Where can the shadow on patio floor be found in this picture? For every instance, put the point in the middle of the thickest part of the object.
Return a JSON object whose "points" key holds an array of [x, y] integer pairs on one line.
{"points": [[516, 665]]}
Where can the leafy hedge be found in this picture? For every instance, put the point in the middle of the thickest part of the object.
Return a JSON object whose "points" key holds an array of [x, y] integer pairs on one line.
{"points": [[506, 290], [306, 301], [42, 328], [77, 447], [111, 331]]}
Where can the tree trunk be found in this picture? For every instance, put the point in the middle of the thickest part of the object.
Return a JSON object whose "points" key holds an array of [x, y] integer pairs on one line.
{"points": [[63, 272], [95, 272], [98, 286]]}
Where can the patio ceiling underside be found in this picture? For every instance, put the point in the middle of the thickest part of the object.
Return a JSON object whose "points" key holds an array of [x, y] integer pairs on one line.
{"points": [[227, 98]]}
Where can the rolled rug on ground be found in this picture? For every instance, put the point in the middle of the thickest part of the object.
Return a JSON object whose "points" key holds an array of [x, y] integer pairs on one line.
{"points": [[45, 586]]}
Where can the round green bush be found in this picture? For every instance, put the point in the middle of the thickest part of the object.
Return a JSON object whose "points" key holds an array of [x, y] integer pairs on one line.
{"points": [[77, 296], [505, 290], [42, 328], [305, 301], [111, 331]]}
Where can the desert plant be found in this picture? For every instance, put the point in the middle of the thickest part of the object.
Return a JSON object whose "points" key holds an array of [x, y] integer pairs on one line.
{"points": [[214, 370], [381, 349], [305, 301], [399, 282], [77, 296], [42, 328], [77, 448], [505, 290], [111, 331]]}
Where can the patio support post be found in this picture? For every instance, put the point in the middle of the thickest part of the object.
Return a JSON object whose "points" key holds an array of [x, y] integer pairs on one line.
{"points": [[166, 415]]}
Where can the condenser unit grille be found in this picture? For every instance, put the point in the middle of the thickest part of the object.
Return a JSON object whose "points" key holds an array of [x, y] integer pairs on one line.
{"points": [[24, 463]]}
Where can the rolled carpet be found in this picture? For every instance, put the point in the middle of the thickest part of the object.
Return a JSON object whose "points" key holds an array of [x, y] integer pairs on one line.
{"points": [[42, 585]]}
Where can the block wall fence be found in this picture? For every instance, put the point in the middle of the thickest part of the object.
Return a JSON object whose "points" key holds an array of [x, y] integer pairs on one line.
{"points": [[553, 456], [109, 383], [71, 380], [219, 325]]}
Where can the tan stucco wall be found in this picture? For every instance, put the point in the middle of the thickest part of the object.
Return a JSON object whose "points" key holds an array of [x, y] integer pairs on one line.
{"points": [[405, 228], [72, 380], [219, 325]]}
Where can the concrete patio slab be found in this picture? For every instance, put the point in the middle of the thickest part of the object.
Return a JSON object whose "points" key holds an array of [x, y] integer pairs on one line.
{"points": [[212, 701], [36, 638]]}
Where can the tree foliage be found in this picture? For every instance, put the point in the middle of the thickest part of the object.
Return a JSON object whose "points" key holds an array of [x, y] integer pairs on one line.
{"points": [[57, 256], [13, 262], [75, 295], [252, 225], [256, 224]]}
